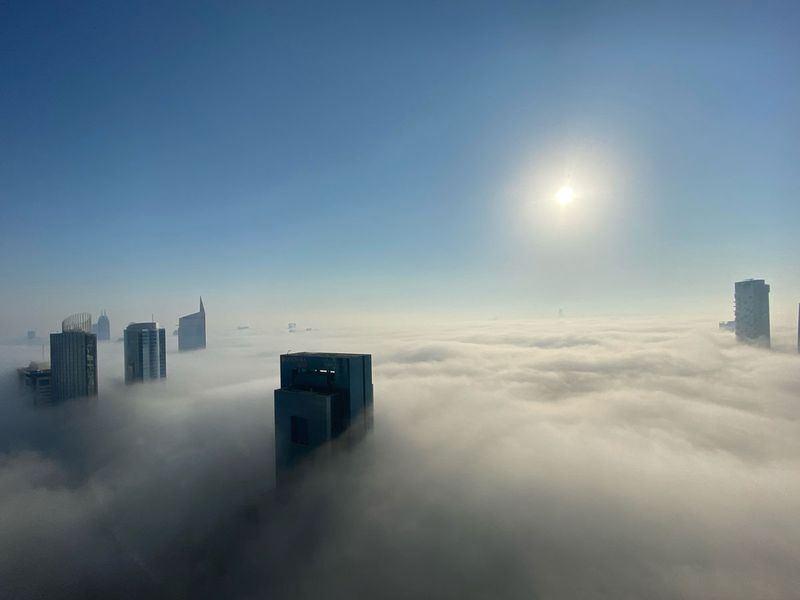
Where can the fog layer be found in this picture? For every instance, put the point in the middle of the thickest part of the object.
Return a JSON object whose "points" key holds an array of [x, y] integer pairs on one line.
{"points": [[553, 459]]}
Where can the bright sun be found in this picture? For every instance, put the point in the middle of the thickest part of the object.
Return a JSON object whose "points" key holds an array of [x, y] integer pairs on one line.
{"points": [[565, 195]]}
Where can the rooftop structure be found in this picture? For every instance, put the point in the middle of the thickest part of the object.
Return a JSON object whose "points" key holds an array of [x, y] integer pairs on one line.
{"points": [[77, 322]]}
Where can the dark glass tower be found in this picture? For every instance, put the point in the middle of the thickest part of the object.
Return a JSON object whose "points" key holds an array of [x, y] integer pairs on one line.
{"points": [[192, 330], [322, 395], [73, 359], [751, 298], [145, 352]]}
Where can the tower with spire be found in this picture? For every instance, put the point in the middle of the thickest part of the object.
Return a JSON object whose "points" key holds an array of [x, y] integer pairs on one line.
{"points": [[192, 330]]}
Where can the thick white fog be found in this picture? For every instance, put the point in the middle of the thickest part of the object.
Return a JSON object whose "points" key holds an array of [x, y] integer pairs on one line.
{"points": [[551, 459]]}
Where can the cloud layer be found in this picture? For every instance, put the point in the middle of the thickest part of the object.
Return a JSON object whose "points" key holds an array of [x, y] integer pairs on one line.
{"points": [[553, 459]]}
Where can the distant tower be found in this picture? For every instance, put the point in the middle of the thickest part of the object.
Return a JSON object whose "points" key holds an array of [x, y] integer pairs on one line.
{"points": [[798, 327], [752, 311], [145, 352], [103, 328], [192, 330], [73, 359]]}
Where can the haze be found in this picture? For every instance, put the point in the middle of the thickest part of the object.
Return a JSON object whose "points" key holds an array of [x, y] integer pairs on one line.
{"points": [[530, 214]]}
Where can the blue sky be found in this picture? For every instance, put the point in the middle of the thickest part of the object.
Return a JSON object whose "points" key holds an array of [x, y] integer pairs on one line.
{"points": [[299, 156]]}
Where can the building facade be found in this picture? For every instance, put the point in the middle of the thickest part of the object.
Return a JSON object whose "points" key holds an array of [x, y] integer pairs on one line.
{"points": [[73, 359], [36, 377], [103, 328], [751, 298], [192, 330], [322, 395], [145, 352]]}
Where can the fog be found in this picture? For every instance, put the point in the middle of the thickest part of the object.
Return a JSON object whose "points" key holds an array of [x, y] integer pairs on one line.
{"points": [[525, 459]]}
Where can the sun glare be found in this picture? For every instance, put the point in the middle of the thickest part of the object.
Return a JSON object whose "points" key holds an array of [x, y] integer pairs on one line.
{"points": [[565, 195]]}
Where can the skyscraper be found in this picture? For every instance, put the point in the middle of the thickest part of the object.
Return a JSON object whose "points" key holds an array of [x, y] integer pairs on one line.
{"points": [[73, 359], [145, 352], [192, 330], [321, 396], [103, 328], [751, 298]]}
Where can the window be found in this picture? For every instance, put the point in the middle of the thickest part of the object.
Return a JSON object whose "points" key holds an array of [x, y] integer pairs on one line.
{"points": [[300, 431]]}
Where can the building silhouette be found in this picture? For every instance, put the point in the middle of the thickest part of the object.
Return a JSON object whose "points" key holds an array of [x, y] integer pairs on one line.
{"points": [[322, 395], [751, 298], [37, 378], [73, 359], [145, 352], [192, 330], [103, 328]]}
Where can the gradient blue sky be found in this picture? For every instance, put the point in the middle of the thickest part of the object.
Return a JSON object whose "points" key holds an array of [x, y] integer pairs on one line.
{"points": [[289, 157]]}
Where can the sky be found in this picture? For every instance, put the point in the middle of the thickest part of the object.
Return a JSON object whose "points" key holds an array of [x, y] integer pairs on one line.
{"points": [[301, 158], [572, 459]]}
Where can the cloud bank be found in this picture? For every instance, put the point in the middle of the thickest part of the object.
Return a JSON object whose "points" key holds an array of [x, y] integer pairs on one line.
{"points": [[552, 459]]}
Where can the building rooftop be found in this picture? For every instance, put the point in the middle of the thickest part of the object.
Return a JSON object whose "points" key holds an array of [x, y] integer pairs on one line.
{"points": [[326, 354], [150, 325]]}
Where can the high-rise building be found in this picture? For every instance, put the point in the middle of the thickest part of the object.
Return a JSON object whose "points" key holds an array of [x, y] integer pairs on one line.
{"points": [[321, 396], [145, 352], [73, 359], [192, 330], [798, 327], [751, 298], [103, 328], [36, 377]]}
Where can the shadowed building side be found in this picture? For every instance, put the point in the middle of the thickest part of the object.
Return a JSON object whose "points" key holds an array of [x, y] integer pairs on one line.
{"points": [[192, 330], [322, 395], [145, 352]]}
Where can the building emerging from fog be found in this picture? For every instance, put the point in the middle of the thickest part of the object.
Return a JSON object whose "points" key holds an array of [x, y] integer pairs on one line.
{"points": [[145, 352], [192, 330], [321, 396], [103, 328], [36, 377], [73, 359], [752, 311]]}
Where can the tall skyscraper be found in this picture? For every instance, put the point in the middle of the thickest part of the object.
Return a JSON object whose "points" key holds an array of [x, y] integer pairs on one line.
{"points": [[73, 359], [321, 396], [751, 298], [192, 330], [145, 352], [103, 328]]}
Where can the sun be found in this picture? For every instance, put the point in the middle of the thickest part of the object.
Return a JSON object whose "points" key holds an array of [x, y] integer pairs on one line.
{"points": [[565, 195]]}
